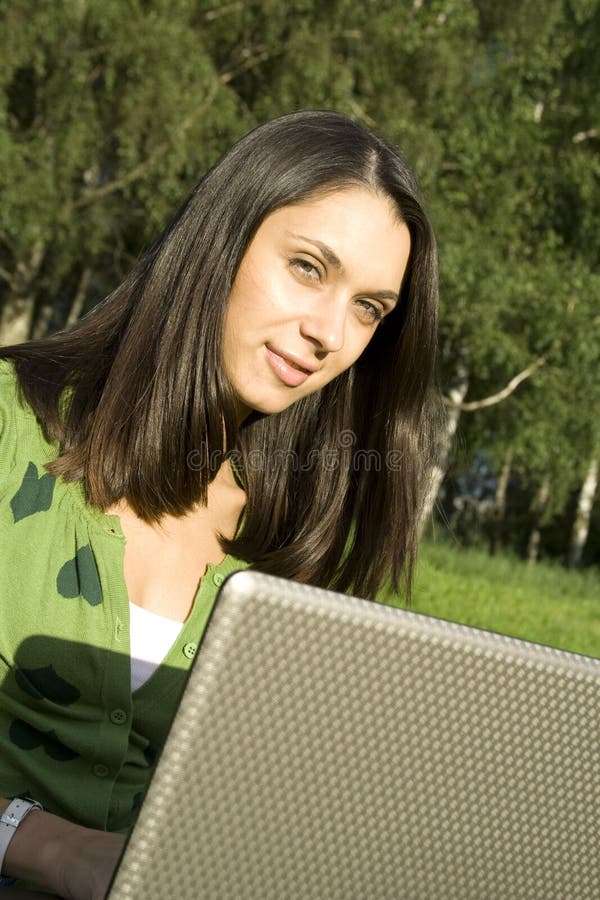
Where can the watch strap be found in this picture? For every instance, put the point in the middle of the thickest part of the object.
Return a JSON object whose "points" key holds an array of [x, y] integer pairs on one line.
{"points": [[10, 820]]}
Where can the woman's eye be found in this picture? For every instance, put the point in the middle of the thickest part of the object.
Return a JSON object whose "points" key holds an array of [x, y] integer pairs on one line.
{"points": [[369, 311], [306, 269]]}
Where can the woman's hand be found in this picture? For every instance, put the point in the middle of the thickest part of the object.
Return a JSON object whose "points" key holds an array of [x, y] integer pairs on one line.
{"points": [[74, 862]]}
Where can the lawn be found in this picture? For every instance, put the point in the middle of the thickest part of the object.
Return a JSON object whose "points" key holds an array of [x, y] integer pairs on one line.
{"points": [[542, 603]]}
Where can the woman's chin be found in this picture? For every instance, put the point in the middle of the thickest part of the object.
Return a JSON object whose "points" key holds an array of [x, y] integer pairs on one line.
{"points": [[265, 406]]}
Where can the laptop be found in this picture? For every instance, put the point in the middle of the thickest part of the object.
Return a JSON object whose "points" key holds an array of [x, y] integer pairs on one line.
{"points": [[331, 748]]}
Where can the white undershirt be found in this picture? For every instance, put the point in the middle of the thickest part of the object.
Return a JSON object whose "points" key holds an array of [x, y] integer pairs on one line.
{"points": [[151, 637]]}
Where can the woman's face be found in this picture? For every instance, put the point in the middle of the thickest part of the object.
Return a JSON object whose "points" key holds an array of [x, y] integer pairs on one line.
{"points": [[315, 282]]}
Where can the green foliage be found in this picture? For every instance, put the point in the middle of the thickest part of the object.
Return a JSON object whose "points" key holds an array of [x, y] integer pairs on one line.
{"points": [[107, 119]]}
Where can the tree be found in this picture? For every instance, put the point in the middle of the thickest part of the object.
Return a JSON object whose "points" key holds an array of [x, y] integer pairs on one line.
{"points": [[98, 143]]}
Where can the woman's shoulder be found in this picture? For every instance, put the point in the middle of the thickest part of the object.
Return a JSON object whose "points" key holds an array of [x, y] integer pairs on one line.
{"points": [[11, 401], [20, 431], [8, 377]]}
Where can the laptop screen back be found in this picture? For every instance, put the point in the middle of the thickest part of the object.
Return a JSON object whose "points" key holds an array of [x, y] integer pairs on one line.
{"points": [[328, 748]]}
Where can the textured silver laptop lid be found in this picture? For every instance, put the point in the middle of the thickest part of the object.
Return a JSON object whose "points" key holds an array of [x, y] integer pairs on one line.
{"points": [[327, 748]]}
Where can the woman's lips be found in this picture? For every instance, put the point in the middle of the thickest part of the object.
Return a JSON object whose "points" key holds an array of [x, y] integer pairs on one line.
{"points": [[291, 374]]}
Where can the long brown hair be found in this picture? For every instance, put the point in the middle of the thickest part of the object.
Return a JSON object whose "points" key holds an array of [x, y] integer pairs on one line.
{"points": [[336, 482]]}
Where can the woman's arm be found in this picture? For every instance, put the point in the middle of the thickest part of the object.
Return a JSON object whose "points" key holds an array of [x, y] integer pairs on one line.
{"points": [[9, 893], [75, 862]]}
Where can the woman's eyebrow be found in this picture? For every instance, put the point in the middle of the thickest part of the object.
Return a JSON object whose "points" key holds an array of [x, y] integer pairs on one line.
{"points": [[327, 252], [331, 257]]}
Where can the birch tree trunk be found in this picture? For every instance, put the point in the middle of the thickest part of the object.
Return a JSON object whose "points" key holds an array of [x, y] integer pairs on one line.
{"points": [[80, 297], [500, 503], [16, 315], [456, 395], [16, 321], [538, 506], [581, 525]]}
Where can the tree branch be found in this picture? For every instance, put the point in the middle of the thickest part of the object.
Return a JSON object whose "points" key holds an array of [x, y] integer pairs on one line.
{"points": [[6, 276], [80, 297], [250, 62], [361, 113], [506, 391], [90, 196], [97, 193], [219, 11], [584, 135]]}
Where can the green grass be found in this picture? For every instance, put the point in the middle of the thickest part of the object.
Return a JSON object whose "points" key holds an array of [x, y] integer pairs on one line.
{"points": [[542, 603]]}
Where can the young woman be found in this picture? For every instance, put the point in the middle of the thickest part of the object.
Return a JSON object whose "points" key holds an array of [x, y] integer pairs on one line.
{"points": [[257, 392]]}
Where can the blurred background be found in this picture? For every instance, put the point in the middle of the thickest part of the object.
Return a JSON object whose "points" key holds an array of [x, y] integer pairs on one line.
{"points": [[112, 109]]}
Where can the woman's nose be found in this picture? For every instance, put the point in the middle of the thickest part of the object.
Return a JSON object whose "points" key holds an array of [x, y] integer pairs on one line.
{"points": [[324, 324]]}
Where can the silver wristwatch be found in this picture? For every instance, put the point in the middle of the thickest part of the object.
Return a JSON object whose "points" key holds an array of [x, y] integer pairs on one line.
{"points": [[10, 820]]}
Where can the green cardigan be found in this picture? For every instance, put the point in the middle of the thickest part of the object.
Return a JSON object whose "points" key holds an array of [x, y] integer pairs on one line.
{"points": [[72, 735]]}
